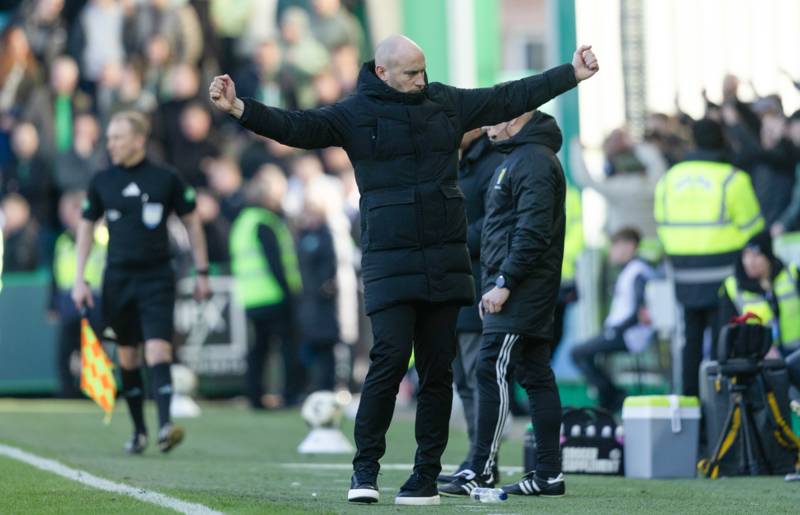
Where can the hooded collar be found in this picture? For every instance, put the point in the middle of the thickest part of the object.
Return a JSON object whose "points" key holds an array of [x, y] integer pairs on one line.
{"points": [[369, 84], [477, 149], [541, 129], [706, 154]]}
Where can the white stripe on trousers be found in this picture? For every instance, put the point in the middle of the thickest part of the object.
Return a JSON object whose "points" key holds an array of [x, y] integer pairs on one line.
{"points": [[501, 367]]}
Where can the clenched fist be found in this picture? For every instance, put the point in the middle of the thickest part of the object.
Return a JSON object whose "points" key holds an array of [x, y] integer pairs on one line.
{"points": [[584, 62], [222, 92]]}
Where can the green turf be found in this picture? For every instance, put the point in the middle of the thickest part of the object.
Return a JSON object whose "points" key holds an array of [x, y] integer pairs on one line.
{"points": [[232, 461], [25, 489]]}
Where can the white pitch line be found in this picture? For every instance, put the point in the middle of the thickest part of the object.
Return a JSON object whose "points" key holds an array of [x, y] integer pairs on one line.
{"points": [[84, 477], [384, 466]]}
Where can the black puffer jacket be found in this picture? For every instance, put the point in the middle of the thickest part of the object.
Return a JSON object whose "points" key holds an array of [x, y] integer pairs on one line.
{"points": [[404, 148], [475, 172], [523, 232]]}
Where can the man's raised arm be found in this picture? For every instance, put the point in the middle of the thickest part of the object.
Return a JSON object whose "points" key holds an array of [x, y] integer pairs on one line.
{"points": [[489, 106], [314, 128]]}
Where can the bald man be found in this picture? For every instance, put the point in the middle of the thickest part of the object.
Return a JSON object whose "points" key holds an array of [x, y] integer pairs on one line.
{"points": [[402, 135]]}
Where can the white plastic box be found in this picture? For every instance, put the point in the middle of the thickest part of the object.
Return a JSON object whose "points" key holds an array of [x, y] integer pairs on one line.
{"points": [[662, 433]]}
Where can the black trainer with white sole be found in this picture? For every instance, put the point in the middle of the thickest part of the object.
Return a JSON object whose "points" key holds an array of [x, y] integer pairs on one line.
{"points": [[464, 483], [449, 478], [363, 490], [418, 491], [531, 484], [137, 444]]}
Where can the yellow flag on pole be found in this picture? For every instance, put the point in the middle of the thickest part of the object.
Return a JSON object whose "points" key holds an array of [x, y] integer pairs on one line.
{"points": [[97, 378]]}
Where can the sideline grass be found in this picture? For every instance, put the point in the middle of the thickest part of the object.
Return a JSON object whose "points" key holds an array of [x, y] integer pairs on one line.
{"points": [[231, 462]]}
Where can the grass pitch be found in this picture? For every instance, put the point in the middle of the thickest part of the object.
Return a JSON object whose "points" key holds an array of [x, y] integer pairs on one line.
{"points": [[236, 461]]}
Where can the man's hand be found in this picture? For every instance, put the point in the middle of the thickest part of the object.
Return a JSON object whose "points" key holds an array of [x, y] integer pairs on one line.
{"points": [[493, 300], [222, 92], [201, 289], [82, 295], [584, 62], [777, 229]]}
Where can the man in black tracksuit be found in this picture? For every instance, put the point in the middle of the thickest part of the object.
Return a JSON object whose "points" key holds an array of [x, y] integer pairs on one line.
{"points": [[522, 247], [402, 136], [479, 160]]}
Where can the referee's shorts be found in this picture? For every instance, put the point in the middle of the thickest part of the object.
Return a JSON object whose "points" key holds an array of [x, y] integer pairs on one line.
{"points": [[139, 303]]}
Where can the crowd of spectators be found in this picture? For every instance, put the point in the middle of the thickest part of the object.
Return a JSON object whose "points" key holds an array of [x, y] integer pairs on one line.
{"points": [[68, 66]]}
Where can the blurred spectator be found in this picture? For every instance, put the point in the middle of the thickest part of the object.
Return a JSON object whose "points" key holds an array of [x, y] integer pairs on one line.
{"points": [[62, 307], [265, 78], [306, 168], [259, 151], [790, 218], [157, 65], [632, 171], [317, 316], [21, 236], [74, 168], [45, 28], [304, 56], [769, 159], [267, 280], [225, 181], [230, 19], [215, 227], [182, 85], [191, 150], [96, 39], [176, 21], [346, 67], [664, 132], [627, 314], [53, 109], [30, 174], [128, 95], [19, 71], [334, 26], [327, 89]]}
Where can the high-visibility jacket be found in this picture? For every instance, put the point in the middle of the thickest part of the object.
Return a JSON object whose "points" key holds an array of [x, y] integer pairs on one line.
{"points": [[255, 284], [573, 238], [785, 290], [705, 212], [66, 257]]}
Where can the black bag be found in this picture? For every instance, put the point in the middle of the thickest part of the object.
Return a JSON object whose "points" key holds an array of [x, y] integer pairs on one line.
{"points": [[592, 450]]}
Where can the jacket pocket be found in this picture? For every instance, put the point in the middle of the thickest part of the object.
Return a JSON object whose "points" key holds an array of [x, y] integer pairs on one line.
{"points": [[391, 220], [392, 139], [454, 228]]}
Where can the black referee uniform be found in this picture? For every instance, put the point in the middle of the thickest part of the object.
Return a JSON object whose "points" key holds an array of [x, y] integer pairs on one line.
{"points": [[138, 296]]}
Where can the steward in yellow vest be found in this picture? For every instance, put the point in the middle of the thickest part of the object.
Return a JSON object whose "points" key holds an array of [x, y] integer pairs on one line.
{"points": [[705, 211], [763, 285], [267, 282]]}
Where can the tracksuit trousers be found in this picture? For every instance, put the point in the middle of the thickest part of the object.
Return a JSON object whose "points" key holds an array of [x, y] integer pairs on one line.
{"points": [[529, 359]]}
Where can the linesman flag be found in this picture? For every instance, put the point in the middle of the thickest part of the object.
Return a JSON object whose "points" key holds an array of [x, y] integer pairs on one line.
{"points": [[97, 379]]}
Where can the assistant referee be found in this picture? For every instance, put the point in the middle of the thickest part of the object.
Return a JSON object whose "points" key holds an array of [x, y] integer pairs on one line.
{"points": [[136, 197]]}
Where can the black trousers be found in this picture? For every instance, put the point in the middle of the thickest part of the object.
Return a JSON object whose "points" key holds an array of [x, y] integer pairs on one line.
{"points": [[584, 356], [431, 327], [696, 320], [530, 359], [273, 323]]}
